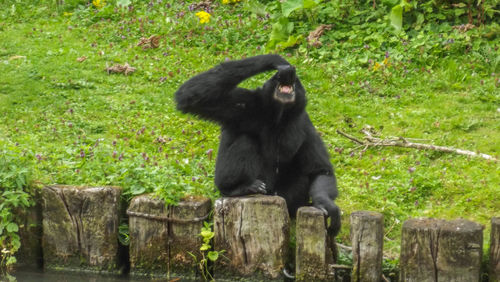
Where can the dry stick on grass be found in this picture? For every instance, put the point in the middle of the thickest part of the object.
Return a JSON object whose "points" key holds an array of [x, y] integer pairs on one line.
{"points": [[371, 141]]}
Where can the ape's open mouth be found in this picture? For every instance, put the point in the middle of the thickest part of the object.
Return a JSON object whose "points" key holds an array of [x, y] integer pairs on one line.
{"points": [[285, 94]]}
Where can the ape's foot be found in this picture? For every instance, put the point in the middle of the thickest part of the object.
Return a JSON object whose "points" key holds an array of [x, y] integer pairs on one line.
{"points": [[256, 187]]}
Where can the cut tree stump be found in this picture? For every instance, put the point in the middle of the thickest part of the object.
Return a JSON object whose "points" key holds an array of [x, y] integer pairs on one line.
{"points": [[440, 250], [161, 237], [495, 250], [148, 236], [314, 249], [367, 237], [253, 231], [80, 228], [185, 234]]}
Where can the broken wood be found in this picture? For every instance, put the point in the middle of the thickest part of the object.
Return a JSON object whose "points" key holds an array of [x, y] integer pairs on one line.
{"points": [[313, 253], [439, 250], [371, 141], [117, 68], [367, 237], [149, 42], [253, 231], [315, 35], [80, 228], [148, 236]]}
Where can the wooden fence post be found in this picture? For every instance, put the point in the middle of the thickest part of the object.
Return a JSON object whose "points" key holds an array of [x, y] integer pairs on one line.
{"points": [[186, 221], [80, 228], [161, 236], [367, 237], [148, 231], [438, 250], [495, 250], [253, 231], [313, 252]]}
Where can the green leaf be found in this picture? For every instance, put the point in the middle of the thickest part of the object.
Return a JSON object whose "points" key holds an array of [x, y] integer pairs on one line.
{"points": [[396, 17], [204, 247], [292, 41], [123, 3], [308, 4], [289, 6], [11, 260], [213, 255], [207, 234], [12, 227], [255, 7]]}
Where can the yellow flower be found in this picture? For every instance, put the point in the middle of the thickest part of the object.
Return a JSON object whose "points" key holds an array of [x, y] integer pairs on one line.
{"points": [[204, 16], [99, 3], [67, 14], [376, 66], [230, 1], [386, 62]]}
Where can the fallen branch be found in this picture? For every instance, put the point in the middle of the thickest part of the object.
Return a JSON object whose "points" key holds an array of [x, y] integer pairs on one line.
{"points": [[371, 141]]}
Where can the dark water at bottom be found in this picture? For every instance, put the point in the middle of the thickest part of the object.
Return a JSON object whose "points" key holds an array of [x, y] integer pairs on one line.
{"points": [[38, 275]]}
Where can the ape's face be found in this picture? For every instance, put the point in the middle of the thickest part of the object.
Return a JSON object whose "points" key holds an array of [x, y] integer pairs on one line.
{"points": [[285, 88]]}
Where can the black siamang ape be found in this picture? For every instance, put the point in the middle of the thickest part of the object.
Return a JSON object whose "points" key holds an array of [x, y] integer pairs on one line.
{"points": [[268, 144]]}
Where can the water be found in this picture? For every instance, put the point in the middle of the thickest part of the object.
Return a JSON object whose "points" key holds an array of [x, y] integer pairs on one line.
{"points": [[38, 275]]}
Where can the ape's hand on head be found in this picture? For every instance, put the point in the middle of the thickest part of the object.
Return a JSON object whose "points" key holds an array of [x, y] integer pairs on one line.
{"points": [[268, 144]]}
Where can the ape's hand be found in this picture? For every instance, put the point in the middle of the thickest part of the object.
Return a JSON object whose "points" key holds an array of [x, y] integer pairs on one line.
{"points": [[323, 193], [331, 210]]}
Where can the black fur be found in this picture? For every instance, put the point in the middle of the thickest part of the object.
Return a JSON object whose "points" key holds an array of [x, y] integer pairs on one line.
{"points": [[268, 143]]}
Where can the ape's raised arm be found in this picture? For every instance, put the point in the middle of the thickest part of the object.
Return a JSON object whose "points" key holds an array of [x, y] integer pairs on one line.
{"points": [[214, 94]]}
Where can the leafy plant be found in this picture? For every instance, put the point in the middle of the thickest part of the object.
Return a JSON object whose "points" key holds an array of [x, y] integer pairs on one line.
{"points": [[208, 255], [14, 179]]}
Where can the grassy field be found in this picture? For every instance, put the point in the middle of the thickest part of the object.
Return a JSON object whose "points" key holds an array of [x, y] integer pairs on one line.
{"points": [[65, 119]]}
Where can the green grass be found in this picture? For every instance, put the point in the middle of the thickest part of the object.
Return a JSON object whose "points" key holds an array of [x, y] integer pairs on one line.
{"points": [[69, 122]]}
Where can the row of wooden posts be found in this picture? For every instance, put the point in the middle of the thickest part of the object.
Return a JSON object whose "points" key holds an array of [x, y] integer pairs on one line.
{"points": [[80, 230]]}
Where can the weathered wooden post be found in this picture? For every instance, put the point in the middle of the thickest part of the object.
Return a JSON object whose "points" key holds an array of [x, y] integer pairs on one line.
{"points": [[253, 231], [80, 228], [367, 237], [440, 250], [148, 231], [313, 250], [495, 250], [161, 236], [186, 220]]}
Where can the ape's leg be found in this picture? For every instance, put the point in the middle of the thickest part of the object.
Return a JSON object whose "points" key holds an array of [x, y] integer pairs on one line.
{"points": [[293, 188], [323, 191], [238, 167]]}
